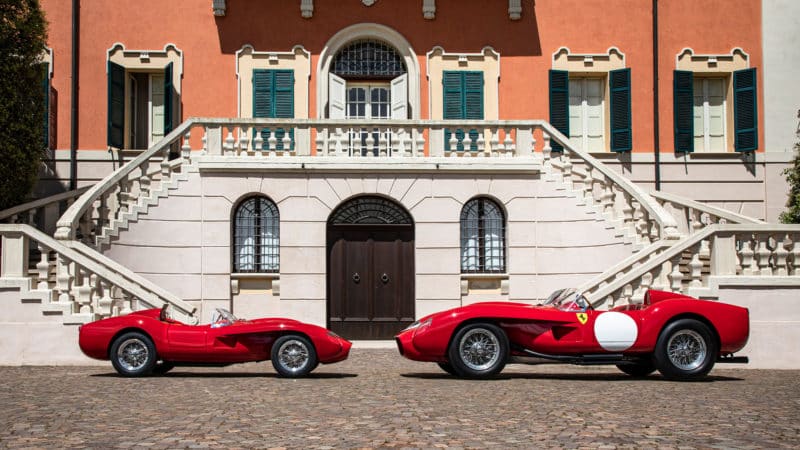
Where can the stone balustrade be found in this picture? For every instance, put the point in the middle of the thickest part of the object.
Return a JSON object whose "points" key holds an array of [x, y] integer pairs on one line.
{"points": [[83, 288], [130, 189], [689, 265], [693, 216]]}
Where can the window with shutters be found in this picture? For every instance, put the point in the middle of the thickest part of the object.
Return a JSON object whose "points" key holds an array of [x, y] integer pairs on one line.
{"points": [[715, 103], [143, 95], [256, 236], [463, 100]]}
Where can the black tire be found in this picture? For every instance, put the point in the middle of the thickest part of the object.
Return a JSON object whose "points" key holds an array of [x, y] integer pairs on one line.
{"points": [[163, 367], [639, 369], [686, 350], [293, 356], [133, 354], [479, 350], [447, 367]]}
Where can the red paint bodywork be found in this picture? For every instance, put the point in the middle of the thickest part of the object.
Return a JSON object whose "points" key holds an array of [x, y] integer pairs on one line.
{"points": [[547, 330], [241, 341]]}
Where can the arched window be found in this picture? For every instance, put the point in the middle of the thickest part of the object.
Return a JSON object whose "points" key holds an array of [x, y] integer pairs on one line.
{"points": [[368, 59], [256, 236], [483, 231]]}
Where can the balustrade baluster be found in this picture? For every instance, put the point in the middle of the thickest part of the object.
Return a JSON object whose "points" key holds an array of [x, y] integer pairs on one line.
{"points": [[746, 255], [661, 276], [64, 279], [144, 180], [229, 142], [588, 185], [84, 291], [627, 213], [782, 256], [105, 302], [763, 253], [494, 142], [43, 268], [186, 149], [467, 143], [272, 143], [794, 255], [546, 153], [102, 213], [204, 142], [566, 171], [420, 143], [343, 142], [644, 284], [508, 143], [128, 303], [480, 145], [319, 143], [453, 143], [695, 267], [287, 143], [676, 277], [607, 198], [244, 141]]}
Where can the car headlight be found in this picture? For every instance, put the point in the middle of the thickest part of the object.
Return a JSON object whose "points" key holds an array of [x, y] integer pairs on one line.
{"points": [[334, 335], [418, 324]]}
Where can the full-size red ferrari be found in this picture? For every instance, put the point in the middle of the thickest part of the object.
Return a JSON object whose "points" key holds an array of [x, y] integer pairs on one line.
{"points": [[149, 341], [680, 336]]}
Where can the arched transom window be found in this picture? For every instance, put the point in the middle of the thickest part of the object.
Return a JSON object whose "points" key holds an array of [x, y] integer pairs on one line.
{"points": [[256, 237], [370, 210], [483, 233], [368, 59]]}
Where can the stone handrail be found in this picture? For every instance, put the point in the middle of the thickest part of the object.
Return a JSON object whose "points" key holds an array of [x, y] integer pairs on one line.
{"points": [[41, 213], [600, 184], [105, 204], [750, 250], [86, 285], [611, 274], [694, 216]]}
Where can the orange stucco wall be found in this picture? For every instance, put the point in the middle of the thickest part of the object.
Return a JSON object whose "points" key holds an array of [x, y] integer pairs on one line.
{"points": [[526, 46]]}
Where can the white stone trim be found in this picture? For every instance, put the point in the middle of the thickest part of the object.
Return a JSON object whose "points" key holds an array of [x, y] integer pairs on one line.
{"points": [[368, 31], [125, 57], [586, 60], [711, 61], [275, 59], [47, 57]]}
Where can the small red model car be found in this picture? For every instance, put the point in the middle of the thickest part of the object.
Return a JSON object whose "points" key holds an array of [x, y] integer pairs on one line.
{"points": [[149, 341], [680, 336]]}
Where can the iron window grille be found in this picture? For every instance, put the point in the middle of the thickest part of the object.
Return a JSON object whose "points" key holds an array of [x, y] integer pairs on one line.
{"points": [[368, 59], [256, 237], [482, 237]]}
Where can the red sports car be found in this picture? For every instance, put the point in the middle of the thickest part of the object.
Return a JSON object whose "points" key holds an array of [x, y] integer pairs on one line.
{"points": [[680, 336], [150, 341]]}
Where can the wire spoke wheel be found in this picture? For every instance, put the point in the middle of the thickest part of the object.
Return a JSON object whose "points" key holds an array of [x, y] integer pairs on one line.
{"points": [[686, 349], [293, 355], [479, 349], [132, 354]]}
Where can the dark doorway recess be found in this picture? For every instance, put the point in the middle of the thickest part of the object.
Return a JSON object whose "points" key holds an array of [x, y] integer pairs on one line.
{"points": [[370, 269]]}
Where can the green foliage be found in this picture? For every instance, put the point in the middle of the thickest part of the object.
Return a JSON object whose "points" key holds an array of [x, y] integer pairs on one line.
{"points": [[23, 32], [792, 214]]}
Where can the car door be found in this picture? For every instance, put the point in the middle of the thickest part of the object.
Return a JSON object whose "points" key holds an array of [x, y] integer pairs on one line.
{"points": [[186, 342]]}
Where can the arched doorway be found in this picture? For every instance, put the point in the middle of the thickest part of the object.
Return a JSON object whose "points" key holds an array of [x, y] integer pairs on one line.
{"points": [[370, 268]]}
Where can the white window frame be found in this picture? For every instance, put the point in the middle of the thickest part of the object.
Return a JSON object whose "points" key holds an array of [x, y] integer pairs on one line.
{"points": [[585, 111], [707, 115]]}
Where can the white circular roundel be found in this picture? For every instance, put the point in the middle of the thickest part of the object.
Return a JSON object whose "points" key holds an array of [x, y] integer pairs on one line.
{"points": [[615, 331]]}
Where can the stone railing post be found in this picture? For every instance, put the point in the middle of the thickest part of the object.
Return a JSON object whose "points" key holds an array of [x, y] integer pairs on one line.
{"points": [[14, 263], [214, 140], [723, 254], [437, 142]]}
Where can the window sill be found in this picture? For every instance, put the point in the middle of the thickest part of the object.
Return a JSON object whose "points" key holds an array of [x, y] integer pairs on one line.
{"points": [[484, 283], [274, 281]]}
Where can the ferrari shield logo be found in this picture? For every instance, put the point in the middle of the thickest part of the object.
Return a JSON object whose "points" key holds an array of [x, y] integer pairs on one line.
{"points": [[582, 318]]}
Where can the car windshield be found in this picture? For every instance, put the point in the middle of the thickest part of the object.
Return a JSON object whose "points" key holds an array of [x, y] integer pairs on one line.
{"points": [[222, 318], [567, 300]]}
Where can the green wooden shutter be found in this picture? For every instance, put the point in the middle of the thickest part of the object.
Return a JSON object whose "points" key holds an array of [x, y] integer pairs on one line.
{"points": [[745, 113], [116, 105], [463, 100], [169, 109], [273, 97], [620, 87], [559, 104], [46, 93], [683, 110]]}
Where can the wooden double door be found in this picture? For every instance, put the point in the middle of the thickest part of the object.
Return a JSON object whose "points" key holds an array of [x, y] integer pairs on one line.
{"points": [[370, 280]]}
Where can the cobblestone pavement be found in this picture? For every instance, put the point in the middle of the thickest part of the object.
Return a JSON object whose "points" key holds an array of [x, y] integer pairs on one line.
{"points": [[378, 399]]}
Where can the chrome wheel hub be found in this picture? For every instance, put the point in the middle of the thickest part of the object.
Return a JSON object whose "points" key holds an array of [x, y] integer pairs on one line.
{"points": [[132, 354], [479, 349], [686, 349], [293, 355]]}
